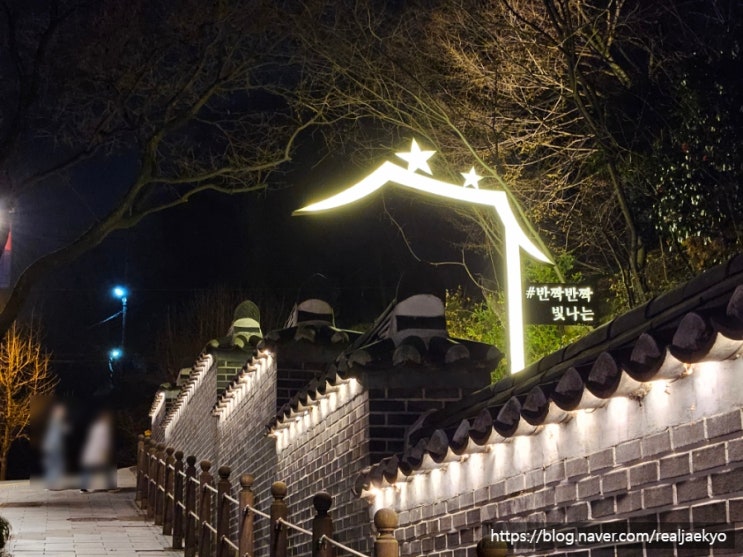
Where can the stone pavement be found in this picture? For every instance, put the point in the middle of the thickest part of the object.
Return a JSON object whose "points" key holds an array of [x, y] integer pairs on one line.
{"points": [[72, 524]]}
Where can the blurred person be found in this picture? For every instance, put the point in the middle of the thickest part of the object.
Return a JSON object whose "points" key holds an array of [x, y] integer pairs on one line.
{"points": [[53, 446], [97, 454]]}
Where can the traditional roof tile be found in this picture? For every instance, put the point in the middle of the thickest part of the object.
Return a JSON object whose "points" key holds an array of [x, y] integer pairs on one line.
{"points": [[410, 334], [699, 321]]}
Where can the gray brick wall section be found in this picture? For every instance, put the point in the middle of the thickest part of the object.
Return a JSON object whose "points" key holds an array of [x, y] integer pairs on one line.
{"points": [[246, 449], [195, 431], [692, 471], [158, 433], [327, 457]]}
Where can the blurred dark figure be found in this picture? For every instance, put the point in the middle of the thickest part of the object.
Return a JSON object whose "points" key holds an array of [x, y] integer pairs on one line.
{"points": [[96, 459], [53, 446]]}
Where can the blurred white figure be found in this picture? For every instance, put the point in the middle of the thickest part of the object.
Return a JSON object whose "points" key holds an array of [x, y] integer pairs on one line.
{"points": [[53, 446], [96, 458]]}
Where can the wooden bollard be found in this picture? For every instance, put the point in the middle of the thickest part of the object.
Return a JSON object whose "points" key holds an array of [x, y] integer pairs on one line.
{"points": [[189, 521], [177, 501], [152, 484], [205, 508], [385, 521], [487, 548], [247, 499], [223, 509], [140, 470], [168, 495], [160, 494], [322, 525], [146, 469], [145, 487], [279, 538]]}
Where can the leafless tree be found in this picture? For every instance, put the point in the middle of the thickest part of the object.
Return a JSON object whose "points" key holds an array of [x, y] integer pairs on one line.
{"points": [[24, 378], [202, 96], [547, 97]]}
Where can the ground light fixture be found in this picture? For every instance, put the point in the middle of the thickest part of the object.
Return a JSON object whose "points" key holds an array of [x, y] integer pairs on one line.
{"points": [[515, 238]]}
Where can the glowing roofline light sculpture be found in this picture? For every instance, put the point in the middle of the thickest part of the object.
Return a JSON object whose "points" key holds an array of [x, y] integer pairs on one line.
{"points": [[515, 238]]}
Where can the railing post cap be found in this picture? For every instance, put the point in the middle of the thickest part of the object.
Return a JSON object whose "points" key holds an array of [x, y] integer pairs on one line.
{"points": [[205, 465], [278, 490], [160, 446], [224, 472], [487, 548], [385, 519], [322, 502], [170, 450], [191, 460], [178, 455], [246, 480], [140, 437]]}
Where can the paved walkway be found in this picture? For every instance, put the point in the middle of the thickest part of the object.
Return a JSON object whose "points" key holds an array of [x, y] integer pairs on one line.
{"points": [[72, 524]]}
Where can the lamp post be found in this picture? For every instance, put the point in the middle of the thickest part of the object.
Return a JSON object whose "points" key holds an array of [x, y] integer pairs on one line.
{"points": [[121, 293], [113, 356]]}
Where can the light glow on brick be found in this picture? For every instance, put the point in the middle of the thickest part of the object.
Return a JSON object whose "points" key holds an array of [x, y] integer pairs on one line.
{"points": [[712, 389], [302, 420], [157, 405], [199, 370], [249, 377]]}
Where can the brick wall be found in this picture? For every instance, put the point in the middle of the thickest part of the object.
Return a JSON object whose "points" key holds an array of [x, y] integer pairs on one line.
{"points": [[323, 452], [157, 415], [243, 443], [193, 429], [674, 456], [394, 409], [292, 380]]}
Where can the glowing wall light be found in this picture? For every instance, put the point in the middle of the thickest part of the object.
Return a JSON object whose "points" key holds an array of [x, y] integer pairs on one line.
{"points": [[515, 238]]}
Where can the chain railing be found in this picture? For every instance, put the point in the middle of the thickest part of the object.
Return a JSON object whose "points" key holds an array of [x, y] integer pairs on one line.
{"points": [[197, 513]]}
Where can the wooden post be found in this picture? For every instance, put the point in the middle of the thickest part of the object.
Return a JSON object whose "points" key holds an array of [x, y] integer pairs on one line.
{"points": [[385, 521], [190, 534], [205, 509], [279, 538], [152, 487], [177, 500], [487, 548], [160, 494], [167, 500], [247, 498], [322, 525], [145, 474], [223, 509], [140, 470]]}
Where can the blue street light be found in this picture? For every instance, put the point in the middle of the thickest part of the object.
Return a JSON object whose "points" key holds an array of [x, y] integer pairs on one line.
{"points": [[121, 293], [115, 354]]}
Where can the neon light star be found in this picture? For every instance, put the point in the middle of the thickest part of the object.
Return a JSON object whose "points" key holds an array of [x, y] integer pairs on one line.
{"points": [[514, 237], [416, 158], [471, 178]]}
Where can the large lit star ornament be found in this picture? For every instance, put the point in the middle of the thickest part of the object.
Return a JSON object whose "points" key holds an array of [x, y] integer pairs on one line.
{"points": [[416, 158], [471, 178], [514, 237]]}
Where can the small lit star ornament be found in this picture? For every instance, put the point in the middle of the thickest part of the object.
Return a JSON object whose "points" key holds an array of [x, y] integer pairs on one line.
{"points": [[416, 158], [514, 237], [471, 178]]}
